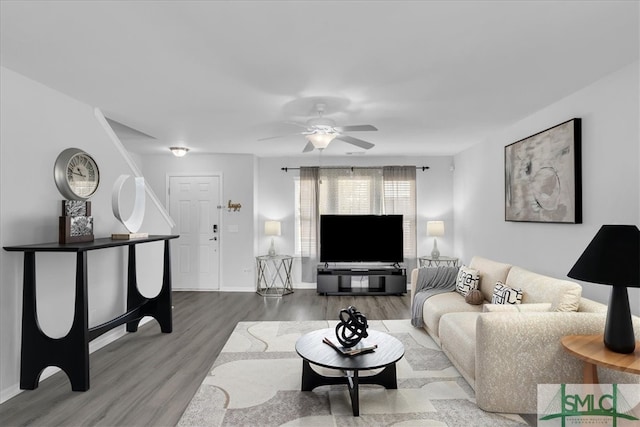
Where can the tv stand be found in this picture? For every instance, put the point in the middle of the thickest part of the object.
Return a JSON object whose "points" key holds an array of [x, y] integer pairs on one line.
{"points": [[378, 280]]}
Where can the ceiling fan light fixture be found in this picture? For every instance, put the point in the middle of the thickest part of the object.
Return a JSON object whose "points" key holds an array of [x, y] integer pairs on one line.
{"points": [[179, 151], [321, 140]]}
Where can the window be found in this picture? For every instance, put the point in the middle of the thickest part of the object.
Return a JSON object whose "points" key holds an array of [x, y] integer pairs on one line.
{"points": [[381, 190]]}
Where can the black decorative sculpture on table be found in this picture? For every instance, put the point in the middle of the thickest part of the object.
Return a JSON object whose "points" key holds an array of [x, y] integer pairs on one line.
{"points": [[352, 327]]}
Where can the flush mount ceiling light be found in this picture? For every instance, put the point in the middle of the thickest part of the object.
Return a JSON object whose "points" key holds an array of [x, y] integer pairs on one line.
{"points": [[179, 151]]}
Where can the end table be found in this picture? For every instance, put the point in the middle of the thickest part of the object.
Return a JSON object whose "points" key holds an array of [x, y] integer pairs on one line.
{"points": [[591, 350], [274, 275], [429, 261]]}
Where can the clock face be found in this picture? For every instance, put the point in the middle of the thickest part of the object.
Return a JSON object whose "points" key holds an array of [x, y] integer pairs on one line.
{"points": [[82, 175], [76, 174]]}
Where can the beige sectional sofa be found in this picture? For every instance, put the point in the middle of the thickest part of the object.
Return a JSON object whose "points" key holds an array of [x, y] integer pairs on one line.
{"points": [[506, 352]]}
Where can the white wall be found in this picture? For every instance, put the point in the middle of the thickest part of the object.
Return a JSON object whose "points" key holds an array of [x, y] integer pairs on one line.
{"points": [[37, 124], [267, 192], [609, 109], [237, 170], [276, 193]]}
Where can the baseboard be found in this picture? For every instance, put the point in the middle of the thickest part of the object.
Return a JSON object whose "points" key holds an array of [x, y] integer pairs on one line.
{"points": [[95, 345], [9, 392]]}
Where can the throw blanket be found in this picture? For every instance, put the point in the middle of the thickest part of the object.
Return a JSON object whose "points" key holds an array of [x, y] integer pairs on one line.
{"points": [[431, 281]]}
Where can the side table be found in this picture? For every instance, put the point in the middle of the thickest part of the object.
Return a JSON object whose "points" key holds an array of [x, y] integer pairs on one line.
{"points": [[591, 350], [429, 261], [274, 275]]}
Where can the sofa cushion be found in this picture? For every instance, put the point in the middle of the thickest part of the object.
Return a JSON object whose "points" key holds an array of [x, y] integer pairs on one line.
{"points": [[493, 308], [564, 295], [467, 280], [438, 305], [503, 294], [490, 273], [458, 340]]}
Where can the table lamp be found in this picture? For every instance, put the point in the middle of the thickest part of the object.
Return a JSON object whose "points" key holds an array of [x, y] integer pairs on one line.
{"points": [[435, 229], [272, 228], [613, 258]]}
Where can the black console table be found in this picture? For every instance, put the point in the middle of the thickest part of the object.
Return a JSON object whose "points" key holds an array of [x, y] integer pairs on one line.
{"points": [[380, 280], [71, 353]]}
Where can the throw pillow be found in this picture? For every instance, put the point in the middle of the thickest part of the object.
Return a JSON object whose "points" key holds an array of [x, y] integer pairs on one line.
{"points": [[502, 294], [494, 308], [467, 280], [474, 297]]}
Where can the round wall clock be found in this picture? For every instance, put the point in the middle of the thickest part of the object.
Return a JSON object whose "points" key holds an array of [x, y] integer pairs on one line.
{"points": [[76, 174]]}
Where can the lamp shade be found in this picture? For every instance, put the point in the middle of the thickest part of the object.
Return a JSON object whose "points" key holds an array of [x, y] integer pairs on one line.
{"points": [[272, 228], [435, 228], [612, 258]]}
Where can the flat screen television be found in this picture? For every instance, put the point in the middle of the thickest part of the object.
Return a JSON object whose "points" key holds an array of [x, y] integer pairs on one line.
{"points": [[361, 238]]}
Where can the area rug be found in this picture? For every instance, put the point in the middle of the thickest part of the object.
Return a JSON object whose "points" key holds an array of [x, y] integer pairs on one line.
{"points": [[256, 380]]}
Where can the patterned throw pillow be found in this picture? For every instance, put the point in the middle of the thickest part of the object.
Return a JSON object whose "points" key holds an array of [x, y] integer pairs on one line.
{"points": [[502, 294], [467, 280]]}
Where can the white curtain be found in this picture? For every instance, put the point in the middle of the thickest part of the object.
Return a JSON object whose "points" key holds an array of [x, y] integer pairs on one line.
{"points": [[400, 198], [309, 218], [374, 190]]}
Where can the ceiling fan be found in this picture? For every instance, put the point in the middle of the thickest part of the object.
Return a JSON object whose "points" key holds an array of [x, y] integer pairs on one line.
{"points": [[320, 131]]}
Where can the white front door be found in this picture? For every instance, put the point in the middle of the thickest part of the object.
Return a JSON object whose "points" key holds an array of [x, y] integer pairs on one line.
{"points": [[193, 204]]}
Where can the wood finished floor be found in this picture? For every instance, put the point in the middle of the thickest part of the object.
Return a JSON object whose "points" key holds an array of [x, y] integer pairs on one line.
{"points": [[147, 378]]}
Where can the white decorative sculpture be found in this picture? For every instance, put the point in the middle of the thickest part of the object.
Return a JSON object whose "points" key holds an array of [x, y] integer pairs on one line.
{"points": [[134, 222]]}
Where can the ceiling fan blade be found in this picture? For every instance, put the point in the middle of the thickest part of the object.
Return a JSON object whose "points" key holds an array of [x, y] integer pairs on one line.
{"points": [[308, 147], [300, 125], [278, 136], [355, 141], [355, 128]]}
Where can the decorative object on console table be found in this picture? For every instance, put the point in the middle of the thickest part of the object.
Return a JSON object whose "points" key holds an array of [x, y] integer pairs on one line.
{"points": [[77, 178], [352, 327], [272, 228], [613, 258], [76, 174], [435, 229], [543, 176], [76, 223], [134, 222]]}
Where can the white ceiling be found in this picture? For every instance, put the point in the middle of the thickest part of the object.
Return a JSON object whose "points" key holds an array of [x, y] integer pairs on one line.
{"points": [[434, 76]]}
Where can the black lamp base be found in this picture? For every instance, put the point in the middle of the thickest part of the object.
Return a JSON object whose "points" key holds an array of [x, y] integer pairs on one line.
{"points": [[618, 331]]}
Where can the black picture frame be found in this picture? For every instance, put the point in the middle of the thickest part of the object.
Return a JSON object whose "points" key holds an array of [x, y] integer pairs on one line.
{"points": [[543, 176]]}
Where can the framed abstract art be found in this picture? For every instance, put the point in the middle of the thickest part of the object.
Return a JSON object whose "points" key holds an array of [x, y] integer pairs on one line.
{"points": [[543, 176]]}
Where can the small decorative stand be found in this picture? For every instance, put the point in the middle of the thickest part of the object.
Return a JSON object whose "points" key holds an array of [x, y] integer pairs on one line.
{"points": [[76, 223], [274, 275]]}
